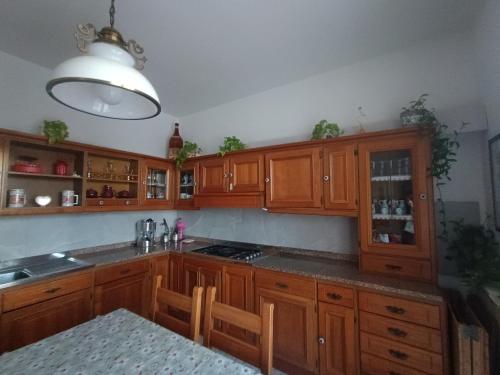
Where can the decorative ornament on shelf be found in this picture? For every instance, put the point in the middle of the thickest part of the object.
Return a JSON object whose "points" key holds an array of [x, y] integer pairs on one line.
{"points": [[231, 144], [106, 81], [188, 150], [56, 131], [325, 129], [175, 143]]}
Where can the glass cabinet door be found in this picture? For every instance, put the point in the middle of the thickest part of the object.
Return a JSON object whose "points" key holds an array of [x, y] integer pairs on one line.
{"points": [[186, 184], [392, 198], [157, 180]]}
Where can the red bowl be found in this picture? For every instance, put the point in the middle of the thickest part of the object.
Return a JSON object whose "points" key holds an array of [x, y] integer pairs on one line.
{"points": [[27, 168]]}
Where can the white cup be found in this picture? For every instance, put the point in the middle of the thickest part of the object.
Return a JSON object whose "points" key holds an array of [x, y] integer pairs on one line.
{"points": [[69, 198]]}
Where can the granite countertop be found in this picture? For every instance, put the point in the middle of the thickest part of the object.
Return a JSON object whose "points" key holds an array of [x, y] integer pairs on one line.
{"points": [[321, 265], [119, 343]]}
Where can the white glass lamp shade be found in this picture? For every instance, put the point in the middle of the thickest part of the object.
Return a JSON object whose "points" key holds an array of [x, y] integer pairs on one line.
{"points": [[104, 83]]}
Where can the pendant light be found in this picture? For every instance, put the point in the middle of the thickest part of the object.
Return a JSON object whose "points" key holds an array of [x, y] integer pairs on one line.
{"points": [[105, 81]]}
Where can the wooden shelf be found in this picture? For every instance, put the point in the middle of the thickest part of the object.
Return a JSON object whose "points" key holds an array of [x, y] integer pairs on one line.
{"points": [[40, 210], [392, 217], [44, 175], [113, 181]]}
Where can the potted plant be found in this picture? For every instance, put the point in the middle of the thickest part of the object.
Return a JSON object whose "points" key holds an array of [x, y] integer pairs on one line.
{"points": [[416, 113], [325, 129], [231, 144], [475, 252], [188, 150], [56, 131]]}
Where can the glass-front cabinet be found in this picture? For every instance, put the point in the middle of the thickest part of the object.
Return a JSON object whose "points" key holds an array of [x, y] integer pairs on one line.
{"points": [[186, 183], [395, 205], [157, 178]]}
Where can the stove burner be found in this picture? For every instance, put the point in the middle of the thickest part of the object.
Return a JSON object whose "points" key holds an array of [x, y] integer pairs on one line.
{"points": [[233, 252]]}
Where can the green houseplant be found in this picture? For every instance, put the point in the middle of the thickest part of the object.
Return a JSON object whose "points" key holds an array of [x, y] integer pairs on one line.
{"points": [[416, 113], [475, 252], [189, 149], [325, 129], [56, 131], [231, 144]]}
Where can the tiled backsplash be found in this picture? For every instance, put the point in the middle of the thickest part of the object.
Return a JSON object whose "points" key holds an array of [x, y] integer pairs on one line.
{"points": [[326, 233]]}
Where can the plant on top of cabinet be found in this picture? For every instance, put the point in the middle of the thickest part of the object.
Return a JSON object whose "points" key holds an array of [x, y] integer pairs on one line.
{"points": [[190, 149], [325, 129], [56, 131], [231, 144], [475, 251], [416, 113]]}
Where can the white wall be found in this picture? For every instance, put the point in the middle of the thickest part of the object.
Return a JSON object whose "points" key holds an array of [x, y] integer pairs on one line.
{"points": [[487, 39], [444, 68], [23, 106]]}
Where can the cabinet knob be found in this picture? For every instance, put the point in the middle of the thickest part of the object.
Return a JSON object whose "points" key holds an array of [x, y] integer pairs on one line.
{"points": [[321, 340], [230, 174], [326, 178], [100, 203], [225, 174], [267, 179], [127, 202]]}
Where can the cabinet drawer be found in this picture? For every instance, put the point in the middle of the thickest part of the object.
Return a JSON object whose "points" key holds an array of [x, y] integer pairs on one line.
{"points": [[110, 202], [371, 365], [44, 291], [411, 268], [336, 294], [431, 363], [402, 309], [285, 283], [408, 333], [107, 274]]}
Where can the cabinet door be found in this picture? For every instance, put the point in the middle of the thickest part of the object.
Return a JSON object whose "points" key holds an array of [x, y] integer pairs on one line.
{"points": [[35, 322], [157, 182], [186, 185], [159, 267], [175, 274], [395, 201], [214, 175], [337, 351], [340, 177], [211, 275], [293, 178], [246, 173], [131, 293], [238, 291], [295, 330], [191, 277]]}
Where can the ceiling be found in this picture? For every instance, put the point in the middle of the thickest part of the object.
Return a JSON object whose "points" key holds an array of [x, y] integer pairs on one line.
{"points": [[205, 53]]}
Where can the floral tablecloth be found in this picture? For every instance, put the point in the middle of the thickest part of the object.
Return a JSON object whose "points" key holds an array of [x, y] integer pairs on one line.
{"points": [[118, 343]]}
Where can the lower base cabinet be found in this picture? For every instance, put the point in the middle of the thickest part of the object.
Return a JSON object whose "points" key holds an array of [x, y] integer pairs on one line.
{"points": [[337, 339], [32, 323]]}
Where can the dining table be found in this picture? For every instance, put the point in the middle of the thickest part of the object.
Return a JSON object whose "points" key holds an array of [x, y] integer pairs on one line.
{"points": [[120, 342]]}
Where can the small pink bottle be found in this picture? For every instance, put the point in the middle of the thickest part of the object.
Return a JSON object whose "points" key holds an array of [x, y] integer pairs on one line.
{"points": [[180, 226]]}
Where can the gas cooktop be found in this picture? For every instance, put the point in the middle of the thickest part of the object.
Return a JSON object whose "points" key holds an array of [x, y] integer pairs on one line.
{"points": [[233, 252]]}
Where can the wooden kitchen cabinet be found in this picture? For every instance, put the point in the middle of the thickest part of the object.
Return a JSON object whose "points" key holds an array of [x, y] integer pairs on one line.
{"points": [[157, 181], [201, 273], [186, 181], [126, 285], [396, 207], [33, 312], [238, 291], [246, 173], [295, 319], [214, 175], [294, 178], [340, 177], [175, 273], [337, 339]]}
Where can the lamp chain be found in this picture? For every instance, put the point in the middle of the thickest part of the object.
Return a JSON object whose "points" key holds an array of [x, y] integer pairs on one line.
{"points": [[112, 14]]}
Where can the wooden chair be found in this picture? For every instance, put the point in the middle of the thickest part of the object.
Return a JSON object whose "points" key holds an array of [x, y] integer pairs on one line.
{"points": [[170, 299], [258, 354]]}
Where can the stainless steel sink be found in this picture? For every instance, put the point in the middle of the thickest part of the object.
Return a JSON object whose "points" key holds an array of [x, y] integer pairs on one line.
{"points": [[9, 276]]}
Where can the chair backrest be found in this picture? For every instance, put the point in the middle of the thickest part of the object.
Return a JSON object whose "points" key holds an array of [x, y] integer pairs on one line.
{"points": [[261, 353], [166, 310]]}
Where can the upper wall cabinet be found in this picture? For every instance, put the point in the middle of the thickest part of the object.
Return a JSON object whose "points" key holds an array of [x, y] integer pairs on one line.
{"points": [[396, 199], [294, 178], [186, 185], [246, 173], [214, 173], [157, 184]]}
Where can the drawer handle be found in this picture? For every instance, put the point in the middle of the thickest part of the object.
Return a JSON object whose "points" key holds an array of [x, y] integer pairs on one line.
{"points": [[123, 272], [394, 373], [393, 267], [321, 340], [53, 290], [334, 296], [397, 332], [395, 310], [281, 285], [398, 355]]}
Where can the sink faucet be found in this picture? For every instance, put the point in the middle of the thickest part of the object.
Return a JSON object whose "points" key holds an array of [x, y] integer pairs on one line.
{"points": [[165, 238]]}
